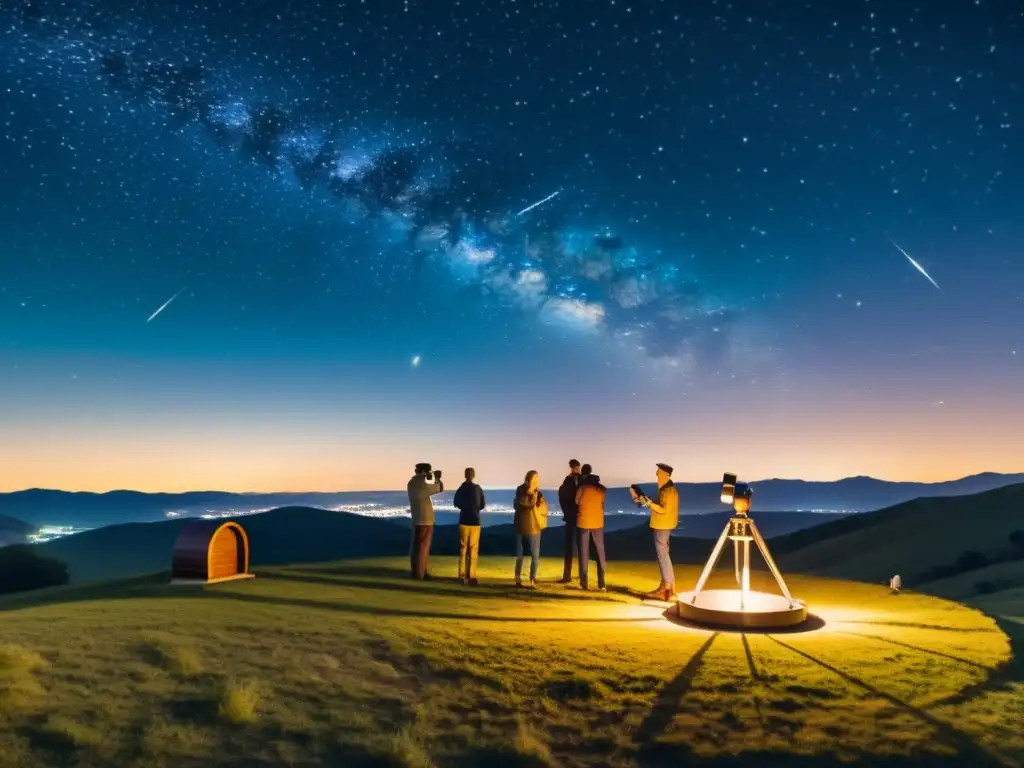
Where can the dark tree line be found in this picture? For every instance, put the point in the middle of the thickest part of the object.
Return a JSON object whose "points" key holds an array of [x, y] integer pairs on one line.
{"points": [[22, 568]]}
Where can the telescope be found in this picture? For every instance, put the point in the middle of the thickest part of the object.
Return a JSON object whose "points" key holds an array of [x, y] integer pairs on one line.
{"points": [[740, 607], [732, 490]]}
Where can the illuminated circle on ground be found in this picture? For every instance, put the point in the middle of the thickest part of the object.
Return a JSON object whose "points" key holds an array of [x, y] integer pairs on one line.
{"points": [[721, 608]]}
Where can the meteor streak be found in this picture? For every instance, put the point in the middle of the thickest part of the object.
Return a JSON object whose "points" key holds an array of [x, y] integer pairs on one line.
{"points": [[917, 266], [539, 202], [165, 304]]}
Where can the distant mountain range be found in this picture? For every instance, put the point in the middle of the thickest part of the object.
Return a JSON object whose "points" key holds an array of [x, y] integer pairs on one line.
{"points": [[38, 507], [911, 538]]}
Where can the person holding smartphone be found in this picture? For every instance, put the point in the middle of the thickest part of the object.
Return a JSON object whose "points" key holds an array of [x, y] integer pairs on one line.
{"points": [[664, 520], [531, 518]]}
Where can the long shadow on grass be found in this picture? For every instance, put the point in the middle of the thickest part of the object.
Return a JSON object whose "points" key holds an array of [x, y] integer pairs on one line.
{"points": [[136, 587], [915, 625], [967, 749], [672, 757], [371, 610], [920, 649], [410, 587], [1003, 676], [670, 696]]}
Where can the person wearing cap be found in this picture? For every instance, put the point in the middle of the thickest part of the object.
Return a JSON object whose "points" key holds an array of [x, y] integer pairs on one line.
{"points": [[567, 501], [664, 520], [423, 484]]}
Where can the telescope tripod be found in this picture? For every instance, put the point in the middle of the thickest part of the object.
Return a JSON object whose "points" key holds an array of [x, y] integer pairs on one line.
{"points": [[741, 531]]}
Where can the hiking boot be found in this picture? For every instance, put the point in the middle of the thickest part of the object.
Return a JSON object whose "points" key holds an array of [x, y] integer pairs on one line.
{"points": [[519, 585], [669, 592], [473, 582], [565, 580], [656, 594]]}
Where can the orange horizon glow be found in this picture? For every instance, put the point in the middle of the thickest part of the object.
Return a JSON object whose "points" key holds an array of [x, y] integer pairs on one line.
{"points": [[289, 446], [274, 466]]}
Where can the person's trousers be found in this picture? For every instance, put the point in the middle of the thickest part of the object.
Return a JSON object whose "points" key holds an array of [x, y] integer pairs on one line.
{"points": [[584, 536], [661, 542], [570, 548], [421, 550], [533, 542], [469, 549]]}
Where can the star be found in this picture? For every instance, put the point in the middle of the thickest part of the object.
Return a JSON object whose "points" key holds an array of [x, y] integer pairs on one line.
{"points": [[416, 361]]}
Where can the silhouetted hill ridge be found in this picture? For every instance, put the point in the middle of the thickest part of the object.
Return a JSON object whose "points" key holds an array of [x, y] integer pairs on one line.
{"points": [[909, 538], [856, 494]]}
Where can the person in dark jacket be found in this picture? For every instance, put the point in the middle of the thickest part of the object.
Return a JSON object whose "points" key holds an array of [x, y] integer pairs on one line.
{"points": [[567, 501], [590, 524], [469, 500]]}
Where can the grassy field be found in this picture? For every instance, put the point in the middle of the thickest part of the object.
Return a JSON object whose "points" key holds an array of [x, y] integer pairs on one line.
{"points": [[353, 664]]}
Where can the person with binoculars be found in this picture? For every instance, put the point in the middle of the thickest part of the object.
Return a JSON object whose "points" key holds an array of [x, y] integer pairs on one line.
{"points": [[424, 484]]}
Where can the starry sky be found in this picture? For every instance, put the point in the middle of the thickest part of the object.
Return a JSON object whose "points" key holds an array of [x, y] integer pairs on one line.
{"points": [[783, 239]]}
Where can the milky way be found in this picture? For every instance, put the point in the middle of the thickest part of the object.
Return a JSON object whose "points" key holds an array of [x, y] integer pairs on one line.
{"points": [[452, 199]]}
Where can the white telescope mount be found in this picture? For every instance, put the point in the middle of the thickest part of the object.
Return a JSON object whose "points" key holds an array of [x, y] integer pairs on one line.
{"points": [[741, 531]]}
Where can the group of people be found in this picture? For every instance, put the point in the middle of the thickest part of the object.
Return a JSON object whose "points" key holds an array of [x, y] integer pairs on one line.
{"points": [[581, 498]]}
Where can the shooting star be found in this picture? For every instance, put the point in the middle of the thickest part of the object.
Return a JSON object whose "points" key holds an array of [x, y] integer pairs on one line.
{"points": [[917, 266], [165, 304], [539, 202]]}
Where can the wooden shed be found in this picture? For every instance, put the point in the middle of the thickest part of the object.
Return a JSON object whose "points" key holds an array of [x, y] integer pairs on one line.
{"points": [[210, 551]]}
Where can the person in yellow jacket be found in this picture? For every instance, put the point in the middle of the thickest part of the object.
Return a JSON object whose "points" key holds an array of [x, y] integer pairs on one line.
{"points": [[664, 520], [531, 517]]}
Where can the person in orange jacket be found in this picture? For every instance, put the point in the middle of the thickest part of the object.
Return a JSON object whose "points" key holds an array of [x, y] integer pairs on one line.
{"points": [[590, 525]]}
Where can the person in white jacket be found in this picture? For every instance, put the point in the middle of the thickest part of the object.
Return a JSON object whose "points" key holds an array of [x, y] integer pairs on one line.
{"points": [[423, 484]]}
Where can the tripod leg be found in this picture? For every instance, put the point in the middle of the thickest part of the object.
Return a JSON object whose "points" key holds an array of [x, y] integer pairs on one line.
{"points": [[771, 563], [736, 560], [745, 586], [712, 561]]}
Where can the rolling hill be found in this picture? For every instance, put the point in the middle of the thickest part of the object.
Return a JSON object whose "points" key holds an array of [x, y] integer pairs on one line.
{"points": [[285, 535], [908, 539], [14, 531], [16, 526]]}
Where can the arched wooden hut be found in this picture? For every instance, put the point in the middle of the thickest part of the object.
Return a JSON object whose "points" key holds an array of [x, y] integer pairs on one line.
{"points": [[210, 551]]}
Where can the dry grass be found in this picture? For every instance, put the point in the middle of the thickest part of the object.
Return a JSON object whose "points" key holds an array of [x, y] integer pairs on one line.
{"points": [[239, 701], [353, 664]]}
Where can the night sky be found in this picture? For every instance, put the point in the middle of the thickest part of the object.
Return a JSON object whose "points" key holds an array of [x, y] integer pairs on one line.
{"points": [[333, 192]]}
